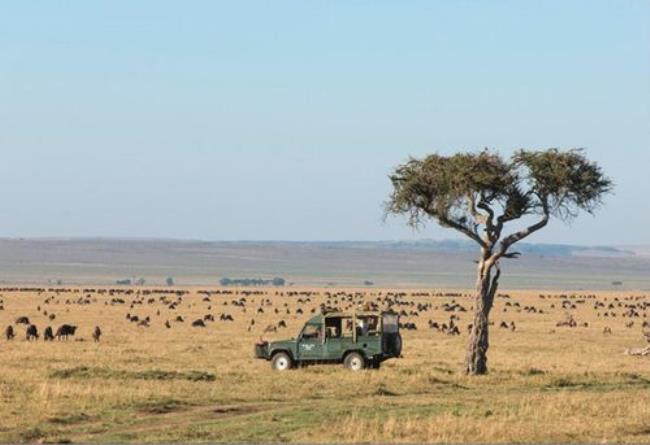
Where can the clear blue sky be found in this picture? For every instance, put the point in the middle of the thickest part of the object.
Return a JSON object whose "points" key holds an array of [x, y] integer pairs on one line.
{"points": [[281, 120]]}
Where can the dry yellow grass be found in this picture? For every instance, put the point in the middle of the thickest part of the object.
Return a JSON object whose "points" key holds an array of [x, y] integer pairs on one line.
{"points": [[547, 384]]}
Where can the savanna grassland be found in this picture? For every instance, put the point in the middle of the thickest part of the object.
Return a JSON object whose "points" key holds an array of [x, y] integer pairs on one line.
{"points": [[193, 384]]}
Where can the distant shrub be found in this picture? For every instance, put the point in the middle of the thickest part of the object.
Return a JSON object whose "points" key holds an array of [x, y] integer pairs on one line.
{"points": [[126, 282], [277, 281]]}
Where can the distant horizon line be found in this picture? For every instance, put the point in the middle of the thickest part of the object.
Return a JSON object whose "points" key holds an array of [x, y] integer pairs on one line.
{"points": [[302, 241]]}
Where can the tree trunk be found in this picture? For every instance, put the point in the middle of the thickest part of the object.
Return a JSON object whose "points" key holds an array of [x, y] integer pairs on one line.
{"points": [[476, 358]]}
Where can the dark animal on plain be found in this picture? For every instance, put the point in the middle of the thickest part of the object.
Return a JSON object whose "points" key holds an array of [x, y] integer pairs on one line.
{"points": [[167, 325], [144, 323], [65, 331], [503, 325], [282, 324], [9, 333], [22, 320], [31, 333], [209, 317], [607, 330], [179, 319], [271, 328], [568, 321], [629, 324], [51, 317], [198, 323], [97, 333], [48, 334], [512, 326]]}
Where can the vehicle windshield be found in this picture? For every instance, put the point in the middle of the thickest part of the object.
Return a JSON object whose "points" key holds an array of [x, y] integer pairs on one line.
{"points": [[312, 331]]}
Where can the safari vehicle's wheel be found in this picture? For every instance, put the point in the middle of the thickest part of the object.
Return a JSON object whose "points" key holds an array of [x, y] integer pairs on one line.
{"points": [[354, 361], [281, 361]]}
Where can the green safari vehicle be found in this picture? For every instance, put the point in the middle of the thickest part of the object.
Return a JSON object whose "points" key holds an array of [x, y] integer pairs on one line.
{"points": [[360, 339]]}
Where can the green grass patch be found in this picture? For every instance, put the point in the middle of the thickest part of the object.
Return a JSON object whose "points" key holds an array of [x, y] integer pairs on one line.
{"points": [[84, 372], [69, 419], [161, 406]]}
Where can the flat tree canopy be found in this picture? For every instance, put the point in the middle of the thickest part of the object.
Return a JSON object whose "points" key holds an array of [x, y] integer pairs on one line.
{"points": [[477, 194]]}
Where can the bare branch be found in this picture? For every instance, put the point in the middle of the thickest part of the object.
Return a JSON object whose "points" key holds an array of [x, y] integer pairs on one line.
{"points": [[478, 217], [518, 236], [461, 228]]}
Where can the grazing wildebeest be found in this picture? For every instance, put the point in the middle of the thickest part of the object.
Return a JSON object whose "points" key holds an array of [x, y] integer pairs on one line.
{"points": [[22, 320], [97, 333], [64, 331], [198, 323], [31, 333], [9, 332], [48, 334], [167, 325]]}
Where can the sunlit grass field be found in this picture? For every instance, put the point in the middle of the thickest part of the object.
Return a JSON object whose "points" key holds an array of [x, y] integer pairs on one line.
{"points": [[154, 384]]}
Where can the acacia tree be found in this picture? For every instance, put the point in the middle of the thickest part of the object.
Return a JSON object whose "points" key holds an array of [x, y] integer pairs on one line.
{"points": [[478, 194]]}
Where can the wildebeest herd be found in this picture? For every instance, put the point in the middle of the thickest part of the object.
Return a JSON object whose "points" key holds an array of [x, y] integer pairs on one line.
{"points": [[448, 313], [63, 332]]}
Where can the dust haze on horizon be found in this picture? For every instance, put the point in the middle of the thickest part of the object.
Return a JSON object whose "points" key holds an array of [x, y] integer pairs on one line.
{"points": [[252, 121]]}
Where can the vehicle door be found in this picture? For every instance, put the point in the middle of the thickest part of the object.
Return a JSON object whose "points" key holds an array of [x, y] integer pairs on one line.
{"points": [[310, 343], [343, 341], [337, 338], [368, 334]]}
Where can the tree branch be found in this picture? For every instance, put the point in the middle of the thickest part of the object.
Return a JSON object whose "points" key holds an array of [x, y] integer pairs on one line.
{"points": [[461, 228], [478, 217], [494, 232], [518, 236]]}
